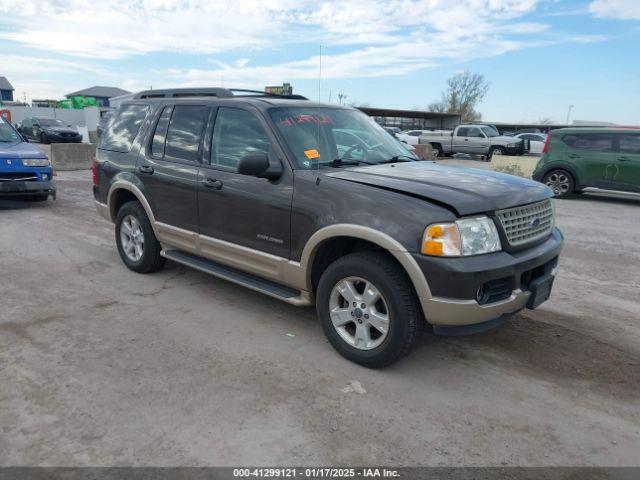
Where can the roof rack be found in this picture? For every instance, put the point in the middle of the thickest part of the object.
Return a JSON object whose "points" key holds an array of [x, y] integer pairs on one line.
{"points": [[210, 92]]}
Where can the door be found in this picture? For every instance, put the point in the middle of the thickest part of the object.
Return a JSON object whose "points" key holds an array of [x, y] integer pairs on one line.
{"points": [[168, 168], [627, 159], [244, 210], [477, 142], [460, 141], [592, 155]]}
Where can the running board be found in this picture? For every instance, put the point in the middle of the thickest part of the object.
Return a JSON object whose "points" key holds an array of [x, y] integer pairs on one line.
{"points": [[273, 289]]}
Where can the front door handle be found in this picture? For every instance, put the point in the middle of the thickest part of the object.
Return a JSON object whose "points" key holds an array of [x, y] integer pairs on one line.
{"points": [[212, 183], [624, 159], [148, 169]]}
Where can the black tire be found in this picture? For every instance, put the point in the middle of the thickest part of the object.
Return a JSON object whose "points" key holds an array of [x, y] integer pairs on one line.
{"points": [[560, 181], [494, 150], [151, 260], [406, 321], [437, 151]]}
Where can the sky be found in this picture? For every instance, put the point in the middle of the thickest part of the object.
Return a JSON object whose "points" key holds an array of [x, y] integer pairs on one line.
{"points": [[539, 56]]}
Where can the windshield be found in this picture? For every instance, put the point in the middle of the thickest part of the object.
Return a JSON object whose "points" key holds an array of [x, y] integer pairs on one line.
{"points": [[50, 122], [490, 131], [324, 135], [7, 132]]}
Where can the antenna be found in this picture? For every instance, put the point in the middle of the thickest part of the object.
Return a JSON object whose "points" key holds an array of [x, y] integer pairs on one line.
{"points": [[318, 114]]}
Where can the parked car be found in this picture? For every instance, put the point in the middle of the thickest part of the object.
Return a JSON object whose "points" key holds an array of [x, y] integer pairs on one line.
{"points": [[536, 141], [578, 158], [476, 139], [527, 130], [411, 137], [25, 171], [393, 130], [267, 192], [48, 130]]}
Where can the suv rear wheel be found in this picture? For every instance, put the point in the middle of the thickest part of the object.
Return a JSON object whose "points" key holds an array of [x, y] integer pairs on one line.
{"points": [[368, 309], [137, 244], [560, 181]]}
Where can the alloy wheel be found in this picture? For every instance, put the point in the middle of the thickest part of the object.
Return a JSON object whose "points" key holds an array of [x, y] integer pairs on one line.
{"points": [[359, 313], [559, 183], [132, 238]]}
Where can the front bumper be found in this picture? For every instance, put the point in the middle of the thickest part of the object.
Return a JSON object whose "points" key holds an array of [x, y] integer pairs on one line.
{"points": [[11, 189], [455, 282]]}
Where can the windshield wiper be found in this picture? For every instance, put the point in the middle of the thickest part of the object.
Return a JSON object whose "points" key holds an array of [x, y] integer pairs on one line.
{"points": [[399, 158], [338, 162]]}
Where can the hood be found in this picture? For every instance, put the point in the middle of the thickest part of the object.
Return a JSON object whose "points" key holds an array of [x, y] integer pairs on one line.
{"points": [[465, 190], [20, 150], [60, 129]]}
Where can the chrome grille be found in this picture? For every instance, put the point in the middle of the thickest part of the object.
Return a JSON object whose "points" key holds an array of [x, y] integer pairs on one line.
{"points": [[526, 223]]}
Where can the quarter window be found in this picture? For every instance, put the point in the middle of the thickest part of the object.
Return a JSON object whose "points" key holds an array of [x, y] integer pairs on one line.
{"points": [[124, 129], [236, 133], [185, 131], [602, 142], [629, 143], [160, 134]]}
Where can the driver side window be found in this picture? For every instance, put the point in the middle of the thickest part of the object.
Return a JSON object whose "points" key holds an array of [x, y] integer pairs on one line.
{"points": [[236, 133]]}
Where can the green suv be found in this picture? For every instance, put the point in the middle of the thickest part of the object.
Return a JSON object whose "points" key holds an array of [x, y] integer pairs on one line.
{"points": [[578, 158]]}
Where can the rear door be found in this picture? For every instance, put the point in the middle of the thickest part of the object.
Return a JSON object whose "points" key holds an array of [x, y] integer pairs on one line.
{"points": [[244, 210], [627, 159], [460, 141], [168, 167], [592, 156]]}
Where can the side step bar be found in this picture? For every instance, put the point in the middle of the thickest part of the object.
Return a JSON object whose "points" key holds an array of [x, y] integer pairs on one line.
{"points": [[273, 289]]}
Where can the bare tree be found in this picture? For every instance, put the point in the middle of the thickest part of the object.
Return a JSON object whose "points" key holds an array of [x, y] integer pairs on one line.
{"points": [[464, 92], [545, 121]]}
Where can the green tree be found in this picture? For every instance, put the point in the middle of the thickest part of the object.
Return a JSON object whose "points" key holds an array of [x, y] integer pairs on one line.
{"points": [[463, 94]]}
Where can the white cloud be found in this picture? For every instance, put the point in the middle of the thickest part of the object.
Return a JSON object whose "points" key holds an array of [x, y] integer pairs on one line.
{"points": [[616, 9]]}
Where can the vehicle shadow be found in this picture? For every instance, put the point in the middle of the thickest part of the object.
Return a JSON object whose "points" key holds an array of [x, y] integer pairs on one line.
{"points": [[543, 346], [14, 204]]}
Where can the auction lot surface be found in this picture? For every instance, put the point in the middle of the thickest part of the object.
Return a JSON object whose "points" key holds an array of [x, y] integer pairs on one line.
{"points": [[103, 366]]}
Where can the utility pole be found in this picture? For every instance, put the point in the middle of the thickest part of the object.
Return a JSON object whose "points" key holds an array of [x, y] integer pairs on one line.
{"points": [[569, 114]]}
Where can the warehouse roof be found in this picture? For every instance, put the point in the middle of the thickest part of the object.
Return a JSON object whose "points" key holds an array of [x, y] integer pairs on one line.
{"points": [[98, 91], [4, 84]]}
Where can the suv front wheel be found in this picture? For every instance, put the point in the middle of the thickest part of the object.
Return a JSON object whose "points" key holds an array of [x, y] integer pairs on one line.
{"points": [[368, 309], [137, 244]]}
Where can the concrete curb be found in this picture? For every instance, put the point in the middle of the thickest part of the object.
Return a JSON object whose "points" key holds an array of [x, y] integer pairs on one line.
{"points": [[72, 156]]}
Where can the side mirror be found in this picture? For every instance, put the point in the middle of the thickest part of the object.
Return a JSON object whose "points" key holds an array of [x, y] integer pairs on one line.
{"points": [[259, 165]]}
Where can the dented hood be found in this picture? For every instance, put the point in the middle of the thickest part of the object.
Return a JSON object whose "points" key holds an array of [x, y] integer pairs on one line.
{"points": [[465, 190]]}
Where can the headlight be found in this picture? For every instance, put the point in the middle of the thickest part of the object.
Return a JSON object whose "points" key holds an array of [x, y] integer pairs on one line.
{"points": [[35, 162], [468, 236]]}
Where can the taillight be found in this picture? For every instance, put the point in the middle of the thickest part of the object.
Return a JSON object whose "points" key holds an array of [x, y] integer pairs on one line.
{"points": [[94, 171], [545, 149]]}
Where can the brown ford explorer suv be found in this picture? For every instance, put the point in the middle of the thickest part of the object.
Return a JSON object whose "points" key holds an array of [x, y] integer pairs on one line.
{"points": [[317, 204]]}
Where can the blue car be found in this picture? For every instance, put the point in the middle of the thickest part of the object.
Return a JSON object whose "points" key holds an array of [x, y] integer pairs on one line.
{"points": [[25, 170]]}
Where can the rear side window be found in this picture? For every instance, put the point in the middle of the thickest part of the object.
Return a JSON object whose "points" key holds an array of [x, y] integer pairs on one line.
{"points": [[124, 128], [185, 132], [629, 143], [236, 133], [462, 132], [160, 134], [601, 142]]}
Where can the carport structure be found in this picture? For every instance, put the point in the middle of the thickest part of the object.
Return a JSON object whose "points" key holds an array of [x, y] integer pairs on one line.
{"points": [[413, 119]]}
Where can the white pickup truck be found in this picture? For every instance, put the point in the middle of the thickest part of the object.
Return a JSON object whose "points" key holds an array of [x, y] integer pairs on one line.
{"points": [[476, 139]]}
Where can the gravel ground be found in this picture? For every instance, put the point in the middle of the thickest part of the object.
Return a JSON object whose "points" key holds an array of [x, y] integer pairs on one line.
{"points": [[102, 366]]}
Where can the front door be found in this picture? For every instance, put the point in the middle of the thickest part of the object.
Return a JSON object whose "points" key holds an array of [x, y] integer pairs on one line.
{"points": [[592, 154], [477, 142], [168, 166], [627, 158], [243, 210]]}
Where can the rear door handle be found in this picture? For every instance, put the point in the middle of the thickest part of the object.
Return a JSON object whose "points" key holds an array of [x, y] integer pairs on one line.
{"points": [[574, 156], [148, 169], [624, 159], [212, 183]]}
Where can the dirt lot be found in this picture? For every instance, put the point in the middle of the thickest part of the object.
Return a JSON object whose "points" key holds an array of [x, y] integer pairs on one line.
{"points": [[102, 366]]}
